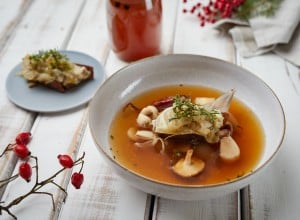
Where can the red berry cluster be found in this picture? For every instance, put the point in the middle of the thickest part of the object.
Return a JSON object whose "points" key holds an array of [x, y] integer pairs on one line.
{"points": [[25, 170], [67, 162], [212, 10], [20, 149]]}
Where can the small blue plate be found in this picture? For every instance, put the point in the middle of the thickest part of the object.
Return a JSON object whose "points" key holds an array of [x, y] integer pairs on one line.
{"points": [[43, 99]]}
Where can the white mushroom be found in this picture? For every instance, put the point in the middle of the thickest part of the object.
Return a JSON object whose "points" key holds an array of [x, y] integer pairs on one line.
{"points": [[144, 138], [146, 116], [188, 166], [229, 150], [145, 135], [131, 133], [140, 135]]}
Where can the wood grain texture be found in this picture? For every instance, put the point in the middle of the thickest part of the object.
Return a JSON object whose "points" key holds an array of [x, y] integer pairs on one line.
{"points": [[221, 208], [103, 194], [30, 37], [63, 132], [31, 34], [12, 13], [275, 195]]}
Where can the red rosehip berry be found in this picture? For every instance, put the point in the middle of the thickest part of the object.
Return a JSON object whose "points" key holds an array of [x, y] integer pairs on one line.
{"points": [[23, 138], [65, 160], [21, 150], [25, 171], [77, 180]]}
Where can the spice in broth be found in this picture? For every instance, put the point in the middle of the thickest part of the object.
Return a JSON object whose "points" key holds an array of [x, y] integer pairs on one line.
{"points": [[158, 158]]}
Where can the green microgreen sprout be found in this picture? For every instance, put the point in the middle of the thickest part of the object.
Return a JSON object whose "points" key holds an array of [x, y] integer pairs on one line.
{"points": [[50, 57], [183, 107]]}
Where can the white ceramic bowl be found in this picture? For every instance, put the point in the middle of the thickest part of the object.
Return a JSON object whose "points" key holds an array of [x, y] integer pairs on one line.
{"points": [[159, 71]]}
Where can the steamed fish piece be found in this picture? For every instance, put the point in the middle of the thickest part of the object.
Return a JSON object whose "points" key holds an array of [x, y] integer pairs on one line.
{"points": [[185, 117], [166, 123]]}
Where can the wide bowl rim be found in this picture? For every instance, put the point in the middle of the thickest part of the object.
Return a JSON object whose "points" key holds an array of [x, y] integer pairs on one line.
{"points": [[179, 186]]}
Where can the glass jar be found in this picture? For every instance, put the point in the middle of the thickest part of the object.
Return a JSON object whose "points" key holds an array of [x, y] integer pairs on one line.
{"points": [[134, 27]]}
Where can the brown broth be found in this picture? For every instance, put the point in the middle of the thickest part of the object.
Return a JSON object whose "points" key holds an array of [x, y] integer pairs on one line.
{"points": [[154, 165]]}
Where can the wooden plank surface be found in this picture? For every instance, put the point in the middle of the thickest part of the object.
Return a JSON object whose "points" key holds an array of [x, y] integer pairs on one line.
{"points": [[275, 195], [33, 32], [104, 195], [30, 36], [220, 208], [12, 13], [30, 25], [63, 132]]}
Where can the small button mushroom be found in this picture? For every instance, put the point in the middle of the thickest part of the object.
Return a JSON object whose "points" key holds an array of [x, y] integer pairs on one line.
{"points": [[140, 135], [144, 138], [145, 135], [146, 116], [131, 133], [229, 150], [188, 166]]}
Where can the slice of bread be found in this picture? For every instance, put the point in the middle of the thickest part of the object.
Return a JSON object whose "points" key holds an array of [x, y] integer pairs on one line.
{"points": [[54, 70], [62, 87]]}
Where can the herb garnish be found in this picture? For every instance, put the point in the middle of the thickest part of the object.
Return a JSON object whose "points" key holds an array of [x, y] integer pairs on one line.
{"points": [[50, 57], [42, 55], [184, 108]]}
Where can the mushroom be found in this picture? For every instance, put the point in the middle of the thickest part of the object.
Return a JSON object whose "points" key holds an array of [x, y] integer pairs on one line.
{"points": [[146, 116], [144, 138], [188, 166], [229, 150], [131, 133], [230, 120]]}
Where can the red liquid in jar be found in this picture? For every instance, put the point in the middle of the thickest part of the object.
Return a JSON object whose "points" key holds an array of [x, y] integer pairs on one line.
{"points": [[134, 27]]}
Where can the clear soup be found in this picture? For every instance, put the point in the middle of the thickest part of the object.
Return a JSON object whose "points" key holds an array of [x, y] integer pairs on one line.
{"points": [[149, 162]]}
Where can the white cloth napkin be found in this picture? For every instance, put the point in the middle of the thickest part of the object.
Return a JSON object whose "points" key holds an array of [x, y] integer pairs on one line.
{"points": [[279, 33]]}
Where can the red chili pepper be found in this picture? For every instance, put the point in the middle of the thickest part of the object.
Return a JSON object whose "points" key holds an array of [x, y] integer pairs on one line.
{"points": [[164, 103]]}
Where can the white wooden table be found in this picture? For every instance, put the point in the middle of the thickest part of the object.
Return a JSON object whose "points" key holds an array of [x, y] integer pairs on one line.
{"points": [[30, 25]]}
